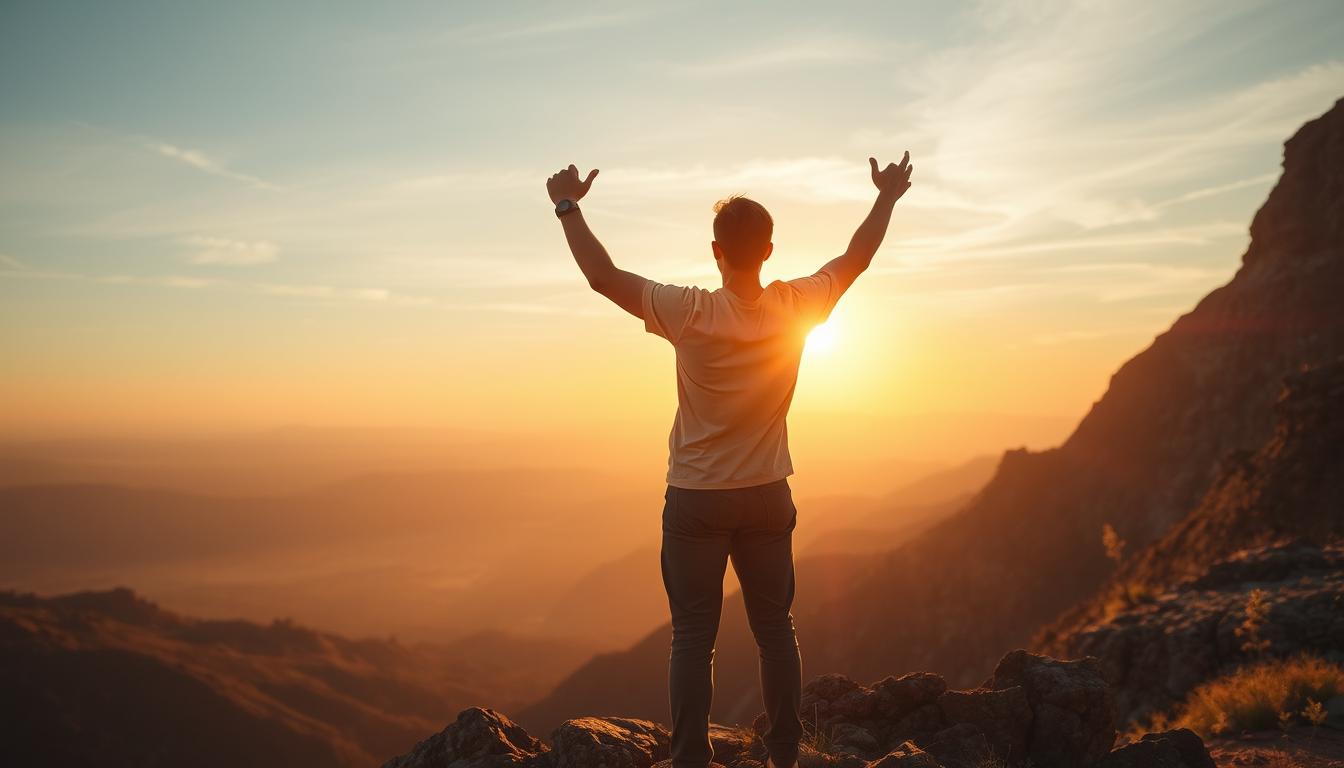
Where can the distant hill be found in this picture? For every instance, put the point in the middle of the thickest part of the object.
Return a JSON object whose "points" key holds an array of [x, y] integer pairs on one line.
{"points": [[107, 678], [417, 554], [1028, 546]]}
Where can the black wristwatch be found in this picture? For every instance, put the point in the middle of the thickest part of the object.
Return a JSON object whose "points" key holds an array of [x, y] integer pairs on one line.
{"points": [[565, 206]]}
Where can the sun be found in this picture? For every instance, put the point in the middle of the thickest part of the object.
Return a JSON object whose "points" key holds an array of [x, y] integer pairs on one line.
{"points": [[820, 340]]}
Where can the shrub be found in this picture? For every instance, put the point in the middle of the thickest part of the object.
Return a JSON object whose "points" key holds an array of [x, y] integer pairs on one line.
{"points": [[1257, 612], [1262, 696]]}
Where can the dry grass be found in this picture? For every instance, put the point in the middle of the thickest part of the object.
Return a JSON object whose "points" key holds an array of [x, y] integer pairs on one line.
{"points": [[1262, 696], [1127, 595], [816, 737]]}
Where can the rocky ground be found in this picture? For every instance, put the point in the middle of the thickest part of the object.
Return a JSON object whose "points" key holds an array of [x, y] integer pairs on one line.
{"points": [[1299, 748], [1034, 710]]}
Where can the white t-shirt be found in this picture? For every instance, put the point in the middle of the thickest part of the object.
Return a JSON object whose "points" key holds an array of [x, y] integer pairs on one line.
{"points": [[737, 365]]}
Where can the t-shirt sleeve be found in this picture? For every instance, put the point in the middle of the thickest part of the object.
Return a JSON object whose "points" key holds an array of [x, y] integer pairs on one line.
{"points": [[816, 295], [667, 309]]}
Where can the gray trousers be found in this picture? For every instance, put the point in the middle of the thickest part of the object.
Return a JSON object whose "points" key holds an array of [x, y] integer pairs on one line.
{"points": [[702, 530]]}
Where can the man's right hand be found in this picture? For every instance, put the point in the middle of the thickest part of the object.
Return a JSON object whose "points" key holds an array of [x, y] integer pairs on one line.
{"points": [[894, 179]]}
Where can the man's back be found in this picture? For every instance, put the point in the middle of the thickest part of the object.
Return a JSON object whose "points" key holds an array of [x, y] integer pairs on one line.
{"points": [[737, 366], [728, 496]]}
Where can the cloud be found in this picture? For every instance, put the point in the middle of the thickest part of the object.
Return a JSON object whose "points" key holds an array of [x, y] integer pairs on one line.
{"points": [[216, 250], [11, 262], [567, 24], [785, 55], [302, 290], [1127, 281], [203, 162], [1059, 114], [814, 179], [1218, 189], [515, 29], [169, 281]]}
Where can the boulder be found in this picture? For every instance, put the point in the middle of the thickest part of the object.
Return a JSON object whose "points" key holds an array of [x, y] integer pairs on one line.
{"points": [[833, 697], [733, 744], [896, 697], [1073, 711], [479, 738], [1169, 749], [852, 739], [609, 742], [906, 755], [961, 746], [924, 721], [1003, 717]]}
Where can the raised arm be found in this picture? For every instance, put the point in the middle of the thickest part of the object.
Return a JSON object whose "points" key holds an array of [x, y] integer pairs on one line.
{"points": [[623, 288], [891, 183]]}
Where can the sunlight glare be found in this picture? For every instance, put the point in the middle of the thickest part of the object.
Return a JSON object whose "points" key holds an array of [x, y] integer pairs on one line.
{"points": [[820, 340]]}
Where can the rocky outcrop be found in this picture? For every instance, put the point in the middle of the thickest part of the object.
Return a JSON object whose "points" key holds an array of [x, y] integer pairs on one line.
{"points": [[480, 738], [1158, 651], [609, 742], [1170, 749], [1034, 710]]}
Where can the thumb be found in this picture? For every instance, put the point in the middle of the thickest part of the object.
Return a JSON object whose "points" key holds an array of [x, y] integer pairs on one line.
{"points": [[873, 162], [588, 182]]}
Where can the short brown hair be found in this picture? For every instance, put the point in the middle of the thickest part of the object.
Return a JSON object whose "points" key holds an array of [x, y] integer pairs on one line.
{"points": [[742, 228]]}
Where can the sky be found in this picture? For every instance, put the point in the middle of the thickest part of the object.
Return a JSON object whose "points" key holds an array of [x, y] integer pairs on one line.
{"points": [[222, 216]]}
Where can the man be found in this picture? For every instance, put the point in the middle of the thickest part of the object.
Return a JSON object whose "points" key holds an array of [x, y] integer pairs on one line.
{"points": [[738, 350]]}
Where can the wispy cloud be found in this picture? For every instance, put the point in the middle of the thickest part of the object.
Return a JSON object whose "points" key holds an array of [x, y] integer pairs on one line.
{"points": [[11, 262], [1126, 281], [203, 162], [1015, 119], [218, 250], [568, 24], [517, 30], [785, 55], [1218, 189], [299, 290]]}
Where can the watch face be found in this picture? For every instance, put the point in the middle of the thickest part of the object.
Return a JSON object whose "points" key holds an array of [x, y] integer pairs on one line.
{"points": [[564, 205]]}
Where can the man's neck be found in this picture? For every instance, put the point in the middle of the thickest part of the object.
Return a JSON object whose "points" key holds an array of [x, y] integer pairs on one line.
{"points": [[744, 284]]}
